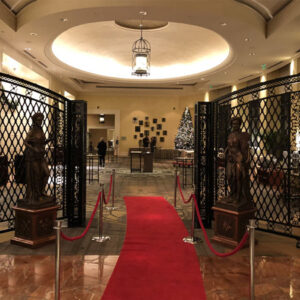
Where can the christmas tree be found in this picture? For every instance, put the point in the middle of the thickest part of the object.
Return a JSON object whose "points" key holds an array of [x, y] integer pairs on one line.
{"points": [[185, 136]]}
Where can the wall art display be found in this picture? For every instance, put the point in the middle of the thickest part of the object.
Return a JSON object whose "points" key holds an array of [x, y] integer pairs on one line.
{"points": [[134, 119], [158, 126], [137, 128], [135, 136], [146, 132], [141, 122], [161, 139], [146, 118], [152, 128], [141, 134], [147, 124], [157, 132], [154, 121], [163, 119], [165, 132]]}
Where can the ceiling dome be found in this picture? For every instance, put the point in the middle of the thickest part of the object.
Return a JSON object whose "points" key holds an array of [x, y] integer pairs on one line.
{"points": [[104, 48]]}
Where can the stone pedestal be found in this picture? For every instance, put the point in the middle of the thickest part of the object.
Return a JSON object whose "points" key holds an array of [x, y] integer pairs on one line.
{"points": [[230, 225], [34, 227]]}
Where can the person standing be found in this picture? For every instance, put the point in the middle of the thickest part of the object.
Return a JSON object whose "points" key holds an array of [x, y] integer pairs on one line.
{"points": [[102, 152], [146, 142], [153, 144]]}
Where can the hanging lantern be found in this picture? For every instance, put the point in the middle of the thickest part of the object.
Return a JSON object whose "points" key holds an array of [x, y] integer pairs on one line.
{"points": [[141, 51]]}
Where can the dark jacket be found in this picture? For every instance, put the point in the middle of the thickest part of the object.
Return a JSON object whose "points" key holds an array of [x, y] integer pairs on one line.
{"points": [[102, 148], [146, 142]]}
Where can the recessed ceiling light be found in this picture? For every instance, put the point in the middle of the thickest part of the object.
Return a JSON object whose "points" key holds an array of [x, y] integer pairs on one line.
{"points": [[251, 53], [223, 24], [202, 78], [143, 13], [246, 39], [64, 20], [33, 34]]}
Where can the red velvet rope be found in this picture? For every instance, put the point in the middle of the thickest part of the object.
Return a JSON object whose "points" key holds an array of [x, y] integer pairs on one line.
{"points": [[239, 246], [87, 227], [109, 192], [180, 190]]}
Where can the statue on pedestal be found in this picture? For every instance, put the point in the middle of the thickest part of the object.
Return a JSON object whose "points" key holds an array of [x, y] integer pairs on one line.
{"points": [[36, 166], [233, 212], [237, 163]]}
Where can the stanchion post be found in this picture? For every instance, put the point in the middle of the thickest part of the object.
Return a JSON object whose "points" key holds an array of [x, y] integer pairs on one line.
{"points": [[191, 239], [57, 260], [175, 188], [112, 207], [101, 238], [113, 187], [251, 229]]}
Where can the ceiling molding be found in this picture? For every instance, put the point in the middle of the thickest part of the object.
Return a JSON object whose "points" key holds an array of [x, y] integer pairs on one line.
{"points": [[268, 10], [8, 16], [136, 24], [16, 6], [138, 87]]}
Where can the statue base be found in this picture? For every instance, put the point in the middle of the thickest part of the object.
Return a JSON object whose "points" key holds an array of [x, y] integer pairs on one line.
{"points": [[34, 227], [43, 202], [231, 223]]}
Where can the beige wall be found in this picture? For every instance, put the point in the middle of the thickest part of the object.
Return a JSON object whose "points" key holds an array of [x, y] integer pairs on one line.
{"points": [[93, 121], [55, 84], [141, 104], [95, 135]]}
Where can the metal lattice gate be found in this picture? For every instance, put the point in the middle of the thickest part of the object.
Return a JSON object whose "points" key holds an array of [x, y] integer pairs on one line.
{"points": [[270, 113], [19, 100]]}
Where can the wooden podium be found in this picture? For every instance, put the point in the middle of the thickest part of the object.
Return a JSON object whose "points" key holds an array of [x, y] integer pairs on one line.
{"points": [[231, 224], [148, 161], [34, 227]]}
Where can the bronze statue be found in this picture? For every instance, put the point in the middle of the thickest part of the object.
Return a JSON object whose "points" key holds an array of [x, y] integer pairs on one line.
{"points": [[237, 163], [37, 171]]}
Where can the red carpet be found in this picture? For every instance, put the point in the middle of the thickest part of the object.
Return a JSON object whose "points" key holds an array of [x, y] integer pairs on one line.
{"points": [[154, 262]]}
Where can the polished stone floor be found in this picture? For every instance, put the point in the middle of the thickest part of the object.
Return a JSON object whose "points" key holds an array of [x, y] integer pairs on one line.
{"points": [[87, 266]]}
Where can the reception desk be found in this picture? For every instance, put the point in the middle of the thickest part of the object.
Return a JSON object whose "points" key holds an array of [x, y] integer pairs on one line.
{"points": [[141, 159]]}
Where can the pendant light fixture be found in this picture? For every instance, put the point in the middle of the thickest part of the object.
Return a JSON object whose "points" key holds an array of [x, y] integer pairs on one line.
{"points": [[141, 51]]}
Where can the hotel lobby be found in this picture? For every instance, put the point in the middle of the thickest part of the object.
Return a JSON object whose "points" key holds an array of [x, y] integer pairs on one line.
{"points": [[122, 71]]}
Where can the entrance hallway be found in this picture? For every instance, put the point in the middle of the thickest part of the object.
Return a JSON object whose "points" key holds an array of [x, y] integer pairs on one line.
{"points": [[87, 266]]}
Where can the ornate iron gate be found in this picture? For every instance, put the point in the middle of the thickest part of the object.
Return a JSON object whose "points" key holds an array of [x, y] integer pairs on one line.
{"points": [[270, 113], [19, 100]]}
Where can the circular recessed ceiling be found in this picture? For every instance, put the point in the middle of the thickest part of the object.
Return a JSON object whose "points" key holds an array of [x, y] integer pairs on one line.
{"points": [[178, 50], [136, 24]]}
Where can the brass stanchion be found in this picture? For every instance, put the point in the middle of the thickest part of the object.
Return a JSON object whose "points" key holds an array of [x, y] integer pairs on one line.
{"points": [[57, 260], [175, 189], [251, 228], [101, 238], [112, 207], [192, 239]]}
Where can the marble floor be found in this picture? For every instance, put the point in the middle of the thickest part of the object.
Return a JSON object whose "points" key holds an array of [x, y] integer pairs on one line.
{"points": [[87, 266]]}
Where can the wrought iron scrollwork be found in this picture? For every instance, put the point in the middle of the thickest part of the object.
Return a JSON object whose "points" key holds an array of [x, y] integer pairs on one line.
{"points": [[270, 113], [19, 99]]}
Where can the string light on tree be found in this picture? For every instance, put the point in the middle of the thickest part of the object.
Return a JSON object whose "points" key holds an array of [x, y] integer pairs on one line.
{"points": [[185, 136]]}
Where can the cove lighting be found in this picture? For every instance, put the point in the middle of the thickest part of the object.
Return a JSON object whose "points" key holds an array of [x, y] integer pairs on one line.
{"points": [[107, 55]]}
